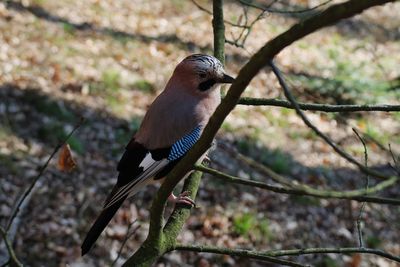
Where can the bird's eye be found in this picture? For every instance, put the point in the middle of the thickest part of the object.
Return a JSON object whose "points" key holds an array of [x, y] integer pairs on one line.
{"points": [[202, 75]]}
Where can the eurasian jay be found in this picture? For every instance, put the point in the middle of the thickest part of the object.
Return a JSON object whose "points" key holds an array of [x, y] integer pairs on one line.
{"points": [[171, 126]]}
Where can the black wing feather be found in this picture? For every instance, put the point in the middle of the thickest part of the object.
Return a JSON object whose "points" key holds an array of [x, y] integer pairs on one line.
{"points": [[101, 222], [128, 165], [128, 168]]}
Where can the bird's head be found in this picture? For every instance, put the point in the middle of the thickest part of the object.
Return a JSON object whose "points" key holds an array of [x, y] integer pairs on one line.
{"points": [[201, 74]]}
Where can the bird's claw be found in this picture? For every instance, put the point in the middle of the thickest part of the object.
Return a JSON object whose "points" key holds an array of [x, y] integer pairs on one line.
{"points": [[182, 198], [206, 160]]}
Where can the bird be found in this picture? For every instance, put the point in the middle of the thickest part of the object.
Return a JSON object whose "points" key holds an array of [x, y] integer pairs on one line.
{"points": [[172, 124]]}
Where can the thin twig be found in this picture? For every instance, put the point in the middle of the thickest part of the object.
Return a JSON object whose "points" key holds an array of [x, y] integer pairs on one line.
{"points": [[242, 38], [395, 161], [303, 190], [327, 139], [239, 253], [246, 19], [294, 184], [36, 179], [368, 138], [237, 25], [316, 107], [13, 260], [246, 28], [359, 218], [127, 236], [291, 252], [258, 166], [271, 10]]}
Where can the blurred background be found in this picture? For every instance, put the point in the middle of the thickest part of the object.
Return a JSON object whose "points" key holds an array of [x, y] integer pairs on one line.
{"points": [[107, 60]]}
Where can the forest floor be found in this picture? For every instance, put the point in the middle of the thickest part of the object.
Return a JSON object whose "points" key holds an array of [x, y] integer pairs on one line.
{"points": [[106, 61]]}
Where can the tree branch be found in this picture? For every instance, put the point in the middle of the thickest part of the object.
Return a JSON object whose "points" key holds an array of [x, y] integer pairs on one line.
{"points": [[245, 33], [281, 179], [304, 190], [13, 260], [237, 252], [36, 179], [316, 107], [327, 139], [359, 218], [291, 252], [219, 30], [271, 10], [23, 199], [237, 25], [127, 236]]}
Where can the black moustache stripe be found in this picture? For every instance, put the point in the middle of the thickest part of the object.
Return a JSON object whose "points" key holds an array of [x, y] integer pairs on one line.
{"points": [[204, 86]]}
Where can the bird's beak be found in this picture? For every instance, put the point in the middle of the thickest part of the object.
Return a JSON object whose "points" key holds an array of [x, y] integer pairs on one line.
{"points": [[227, 79]]}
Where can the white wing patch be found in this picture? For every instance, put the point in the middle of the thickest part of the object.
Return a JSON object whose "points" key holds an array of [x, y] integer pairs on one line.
{"points": [[150, 168], [147, 162]]}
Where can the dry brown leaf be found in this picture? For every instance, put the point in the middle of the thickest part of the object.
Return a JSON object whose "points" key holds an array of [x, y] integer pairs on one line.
{"points": [[355, 260], [65, 161], [56, 77], [203, 263]]}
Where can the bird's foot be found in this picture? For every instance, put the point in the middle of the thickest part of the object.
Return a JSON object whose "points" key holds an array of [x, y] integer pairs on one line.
{"points": [[182, 198], [206, 160]]}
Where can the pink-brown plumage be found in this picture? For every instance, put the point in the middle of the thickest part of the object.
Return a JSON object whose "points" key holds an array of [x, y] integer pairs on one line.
{"points": [[179, 108], [170, 127]]}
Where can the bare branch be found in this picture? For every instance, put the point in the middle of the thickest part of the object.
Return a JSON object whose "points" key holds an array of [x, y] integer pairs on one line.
{"points": [[395, 161], [275, 176], [28, 191], [271, 10], [292, 252], [359, 218], [244, 34], [316, 107], [239, 253], [237, 25], [370, 139], [13, 260], [246, 28], [327, 139], [303, 190], [219, 30], [259, 167], [127, 236]]}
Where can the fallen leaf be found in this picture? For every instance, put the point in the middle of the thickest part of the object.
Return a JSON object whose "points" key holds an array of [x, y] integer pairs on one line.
{"points": [[355, 260], [56, 77]]}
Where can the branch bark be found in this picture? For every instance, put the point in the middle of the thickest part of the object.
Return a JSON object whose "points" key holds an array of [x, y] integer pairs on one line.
{"points": [[291, 252], [239, 253], [13, 260], [271, 10], [316, 107], [219, 30], [303, 190], [326, 138]]}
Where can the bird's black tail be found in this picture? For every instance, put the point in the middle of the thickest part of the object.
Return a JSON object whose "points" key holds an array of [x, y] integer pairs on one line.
{"points": [[99, 225]]}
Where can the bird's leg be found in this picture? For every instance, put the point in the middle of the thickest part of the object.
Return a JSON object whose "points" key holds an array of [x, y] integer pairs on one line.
{"points": [[182, 198]]}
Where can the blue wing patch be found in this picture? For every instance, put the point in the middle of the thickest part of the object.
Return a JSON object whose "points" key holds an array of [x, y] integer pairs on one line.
{"points": [[184, 144]]}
